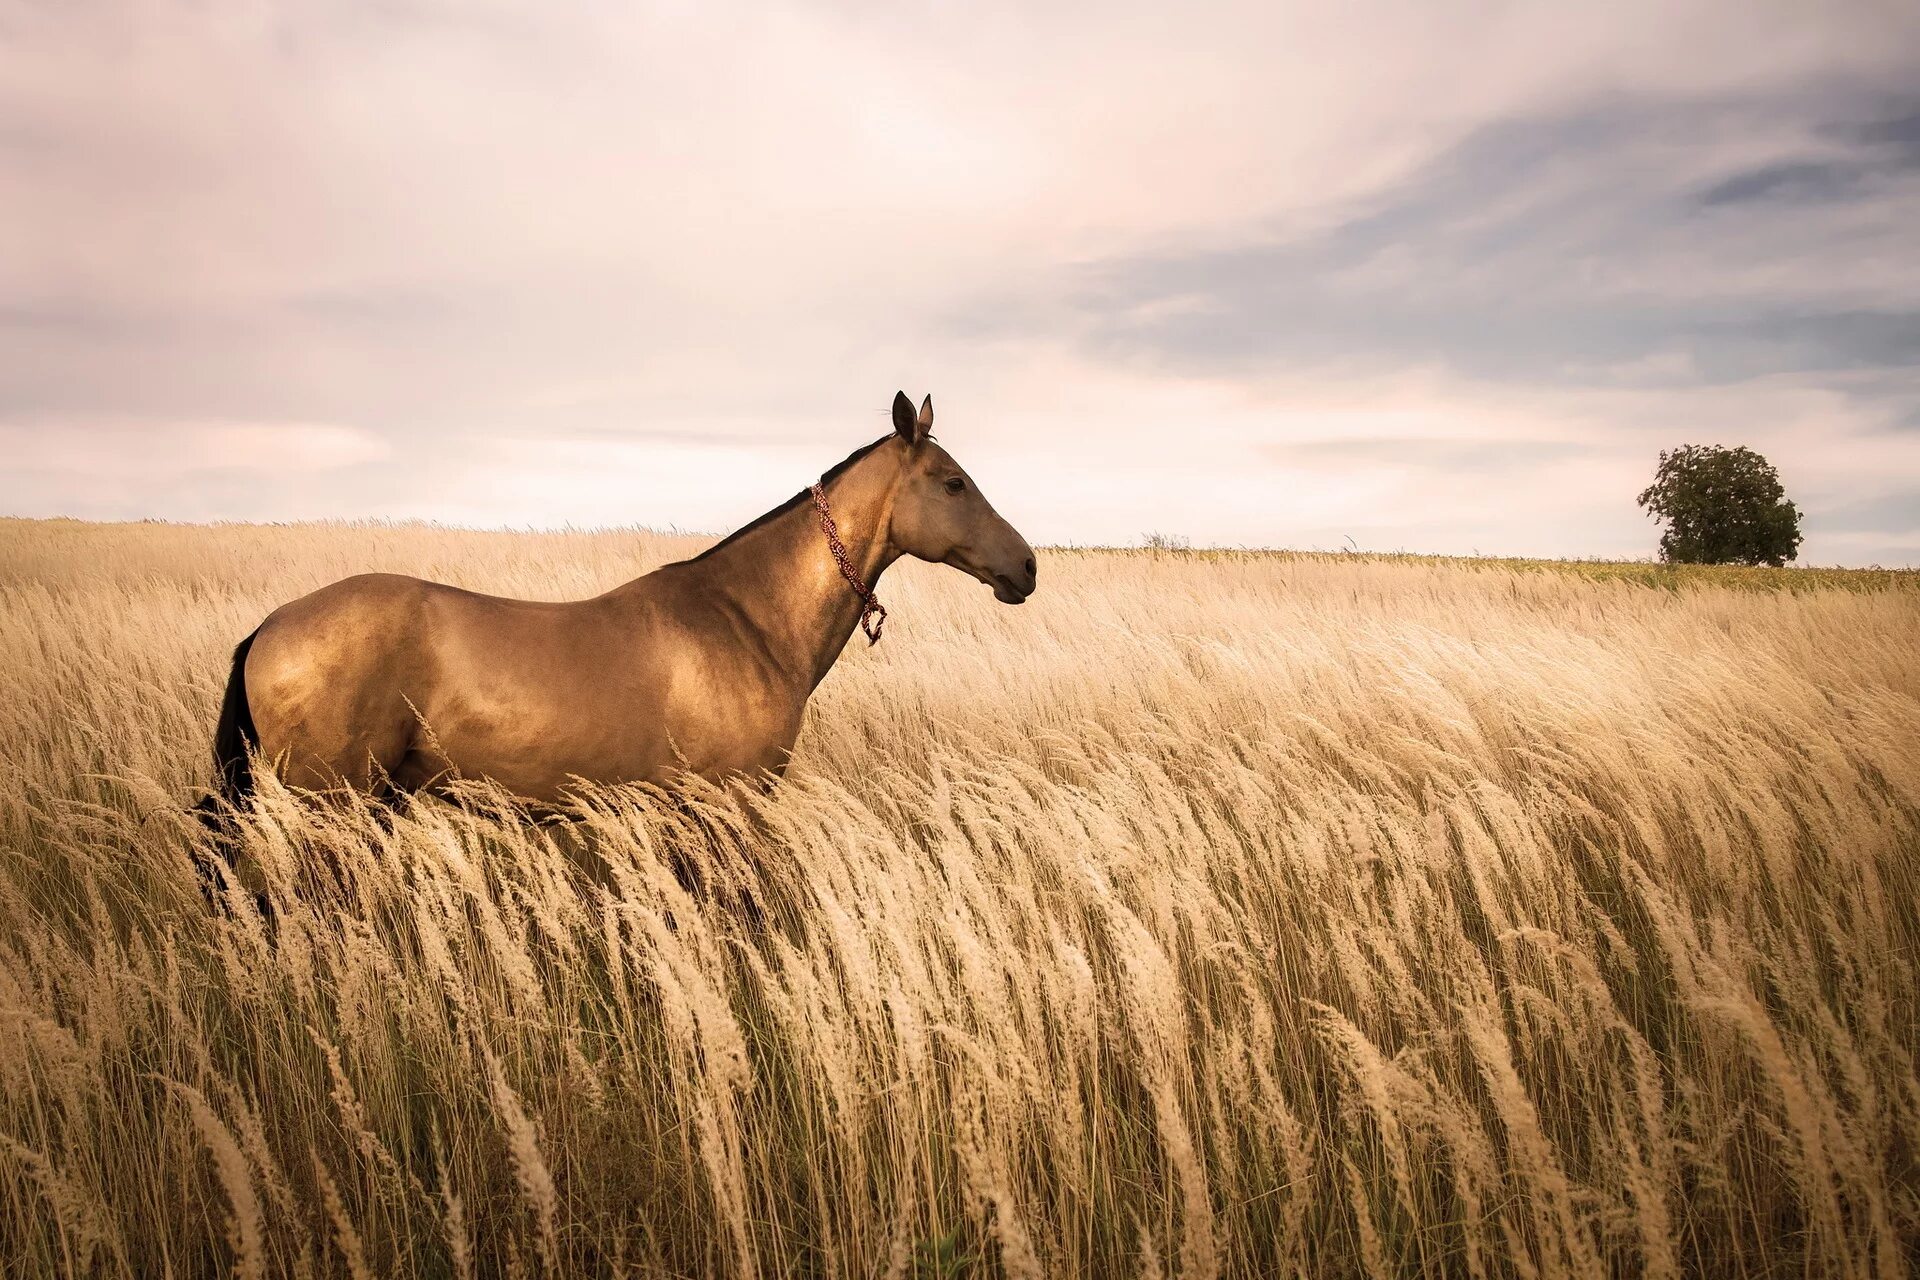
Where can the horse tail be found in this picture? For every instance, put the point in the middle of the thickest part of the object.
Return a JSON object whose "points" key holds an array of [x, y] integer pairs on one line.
{"points": [[234, 736], [234, 740]]}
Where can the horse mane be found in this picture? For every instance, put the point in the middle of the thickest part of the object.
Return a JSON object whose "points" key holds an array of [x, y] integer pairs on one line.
{"points": [[805, 495]]}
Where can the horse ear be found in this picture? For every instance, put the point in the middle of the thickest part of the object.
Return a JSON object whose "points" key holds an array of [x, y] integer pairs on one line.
{"points": [[903, 421], [913, 429]]}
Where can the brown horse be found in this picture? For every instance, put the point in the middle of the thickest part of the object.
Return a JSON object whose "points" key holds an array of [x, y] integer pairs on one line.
{"points": [[391, 684]]}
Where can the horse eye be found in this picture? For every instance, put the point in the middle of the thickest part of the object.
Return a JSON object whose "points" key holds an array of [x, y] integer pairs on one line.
{"points": [[956, 485]]}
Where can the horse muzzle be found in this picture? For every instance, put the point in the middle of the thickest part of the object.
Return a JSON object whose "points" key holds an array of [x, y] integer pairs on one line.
{"points": [[1011, 588]]}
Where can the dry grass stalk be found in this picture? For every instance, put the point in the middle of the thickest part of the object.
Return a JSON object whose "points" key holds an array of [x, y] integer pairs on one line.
{"points": [[1240, 915]]}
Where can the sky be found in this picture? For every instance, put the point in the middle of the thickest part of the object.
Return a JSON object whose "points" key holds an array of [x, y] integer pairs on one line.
{"points": [[1439, 277]]}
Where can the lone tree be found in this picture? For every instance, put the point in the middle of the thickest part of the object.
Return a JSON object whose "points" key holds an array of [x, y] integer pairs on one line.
{"points": [[1721, 506]]}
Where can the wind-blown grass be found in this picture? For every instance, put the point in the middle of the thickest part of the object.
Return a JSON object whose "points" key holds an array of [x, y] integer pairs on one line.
{"points": [[1230, 915]]}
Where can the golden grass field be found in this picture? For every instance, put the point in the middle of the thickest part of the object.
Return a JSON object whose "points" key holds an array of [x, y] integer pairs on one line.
{"points": [[1213, 914]]}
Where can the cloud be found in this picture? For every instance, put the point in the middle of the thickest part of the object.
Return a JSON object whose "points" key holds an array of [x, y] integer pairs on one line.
{"points": [[1487, 457], [162, 450], [1894, 513], [1795, 179], [187, 470], [1563, 248], [1258, 273]]}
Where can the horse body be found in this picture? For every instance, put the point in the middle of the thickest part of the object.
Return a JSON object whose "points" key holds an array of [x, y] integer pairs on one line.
{"points": [[703, 667], [389, 680]]}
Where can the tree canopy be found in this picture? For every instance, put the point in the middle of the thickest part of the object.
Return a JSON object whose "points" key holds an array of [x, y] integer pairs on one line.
{"points": [[1721, 506]]}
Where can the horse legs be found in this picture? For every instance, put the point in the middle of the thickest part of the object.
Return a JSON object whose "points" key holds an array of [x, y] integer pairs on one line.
{"points": [[216, 858]]}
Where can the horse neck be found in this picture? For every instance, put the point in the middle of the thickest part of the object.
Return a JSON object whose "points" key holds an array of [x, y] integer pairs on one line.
{"points": [[783, 581]]}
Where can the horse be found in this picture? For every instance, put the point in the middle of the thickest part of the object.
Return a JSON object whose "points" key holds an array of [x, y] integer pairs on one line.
{"points": [[391, 685]]}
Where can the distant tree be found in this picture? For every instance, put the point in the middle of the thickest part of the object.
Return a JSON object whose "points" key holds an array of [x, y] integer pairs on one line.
{"points": [[1721, 506]]}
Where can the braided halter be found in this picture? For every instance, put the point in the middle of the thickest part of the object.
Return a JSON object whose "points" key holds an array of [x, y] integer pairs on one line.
{"points": [[870, 606]]}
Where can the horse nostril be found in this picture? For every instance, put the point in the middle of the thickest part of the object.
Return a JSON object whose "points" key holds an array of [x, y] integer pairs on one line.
{"points": [[1030, 566]]}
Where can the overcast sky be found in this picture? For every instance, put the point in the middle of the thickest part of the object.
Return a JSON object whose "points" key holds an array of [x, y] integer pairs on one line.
{"points": [[1435, 276]]}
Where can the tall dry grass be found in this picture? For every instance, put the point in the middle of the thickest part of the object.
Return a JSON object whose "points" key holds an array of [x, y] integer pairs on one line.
{"points": [[1237, 916]]}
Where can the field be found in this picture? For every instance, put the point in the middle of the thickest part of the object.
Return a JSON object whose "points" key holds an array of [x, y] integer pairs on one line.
{"points": [[1212, 914]]}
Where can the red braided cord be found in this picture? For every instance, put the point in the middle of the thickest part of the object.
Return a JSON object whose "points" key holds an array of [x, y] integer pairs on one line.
{"points": [[870, 606]]}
